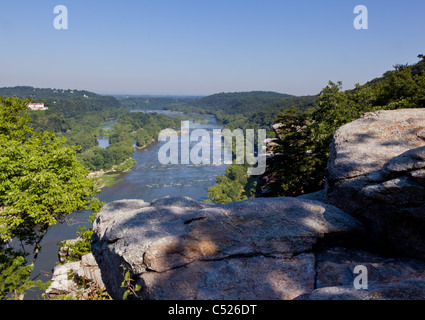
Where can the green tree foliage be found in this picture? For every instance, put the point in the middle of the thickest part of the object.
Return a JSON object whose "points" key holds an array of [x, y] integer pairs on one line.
{"points": [[41, 182], [239, 109], [14, 274], [238, 103], [247, 110], [234, 185], [73, 114], [81, 246], [304, 147], [153, 102], [135, 128], [265, 117], [68, 103]]}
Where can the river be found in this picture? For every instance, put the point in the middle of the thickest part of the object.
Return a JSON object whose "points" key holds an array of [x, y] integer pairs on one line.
{"points": [[148, 180]]}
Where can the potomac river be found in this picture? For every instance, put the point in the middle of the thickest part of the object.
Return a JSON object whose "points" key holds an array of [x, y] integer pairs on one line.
{"points": [[148, 180]]}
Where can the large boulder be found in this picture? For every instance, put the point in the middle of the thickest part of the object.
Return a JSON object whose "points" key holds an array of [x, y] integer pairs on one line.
{"points": [[177, 248], [376, 173]]}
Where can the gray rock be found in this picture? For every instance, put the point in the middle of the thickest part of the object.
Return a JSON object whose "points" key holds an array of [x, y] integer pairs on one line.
{"points": [[376, 173], [177, 248], [387, 278], [335, 267], [366, 144], [277, 128], [316, 196], [76, 279], [242, 278], [404, 290]]}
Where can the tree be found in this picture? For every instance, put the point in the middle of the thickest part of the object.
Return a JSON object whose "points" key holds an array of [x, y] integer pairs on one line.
{"points": [[303, 149], [226, 191], [235, 185], [41, 182]]}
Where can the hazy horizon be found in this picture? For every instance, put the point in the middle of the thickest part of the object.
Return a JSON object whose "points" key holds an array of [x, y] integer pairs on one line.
{"points": [[115, 94]]}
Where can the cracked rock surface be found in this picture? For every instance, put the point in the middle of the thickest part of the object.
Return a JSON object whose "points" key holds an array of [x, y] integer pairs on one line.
{"points": [[376, 173], [177, 248]]}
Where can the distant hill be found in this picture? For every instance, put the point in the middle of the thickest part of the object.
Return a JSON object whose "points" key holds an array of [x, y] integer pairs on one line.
{"points": [[256, 109], [39, 93], [234, 109], [229, 103], [153, 102], [266, 116], [239, 102], [70, 103]]}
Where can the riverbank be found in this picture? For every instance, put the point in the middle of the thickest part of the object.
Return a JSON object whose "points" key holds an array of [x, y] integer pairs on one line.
{"points": [[111, 177]]}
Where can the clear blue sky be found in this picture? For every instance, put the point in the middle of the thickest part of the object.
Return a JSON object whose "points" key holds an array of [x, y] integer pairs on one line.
{"points": [[203, 47]]}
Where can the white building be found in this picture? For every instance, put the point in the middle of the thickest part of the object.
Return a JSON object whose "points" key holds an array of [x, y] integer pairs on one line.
{"points": [[37, 107]]}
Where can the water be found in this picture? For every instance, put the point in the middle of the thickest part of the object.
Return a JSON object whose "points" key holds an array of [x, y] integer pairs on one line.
{"points": [[148, 180], [103, 142]]}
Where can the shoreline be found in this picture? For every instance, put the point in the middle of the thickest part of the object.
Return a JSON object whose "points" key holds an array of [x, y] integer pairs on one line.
{"points": [[108, 178]]}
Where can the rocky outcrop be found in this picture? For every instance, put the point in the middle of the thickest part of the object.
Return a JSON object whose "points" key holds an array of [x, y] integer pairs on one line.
{"points": [[78, 280], [286, 248], [177, 248], [376, 173]]}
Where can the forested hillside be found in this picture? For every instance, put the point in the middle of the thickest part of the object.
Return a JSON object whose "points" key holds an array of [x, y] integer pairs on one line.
{"points": [[303, 149], [256, 109], [308, 124], [235, 110], [69, 103], [136, 128], [238, 102], [265, 117], [153, 102], [79, 116]]}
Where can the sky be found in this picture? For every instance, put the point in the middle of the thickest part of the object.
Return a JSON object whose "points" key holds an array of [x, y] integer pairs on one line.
{"points": [[202, 47]]}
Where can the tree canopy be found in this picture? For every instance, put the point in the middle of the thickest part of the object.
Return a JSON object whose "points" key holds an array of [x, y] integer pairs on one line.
{"points": [[41, 182]]}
